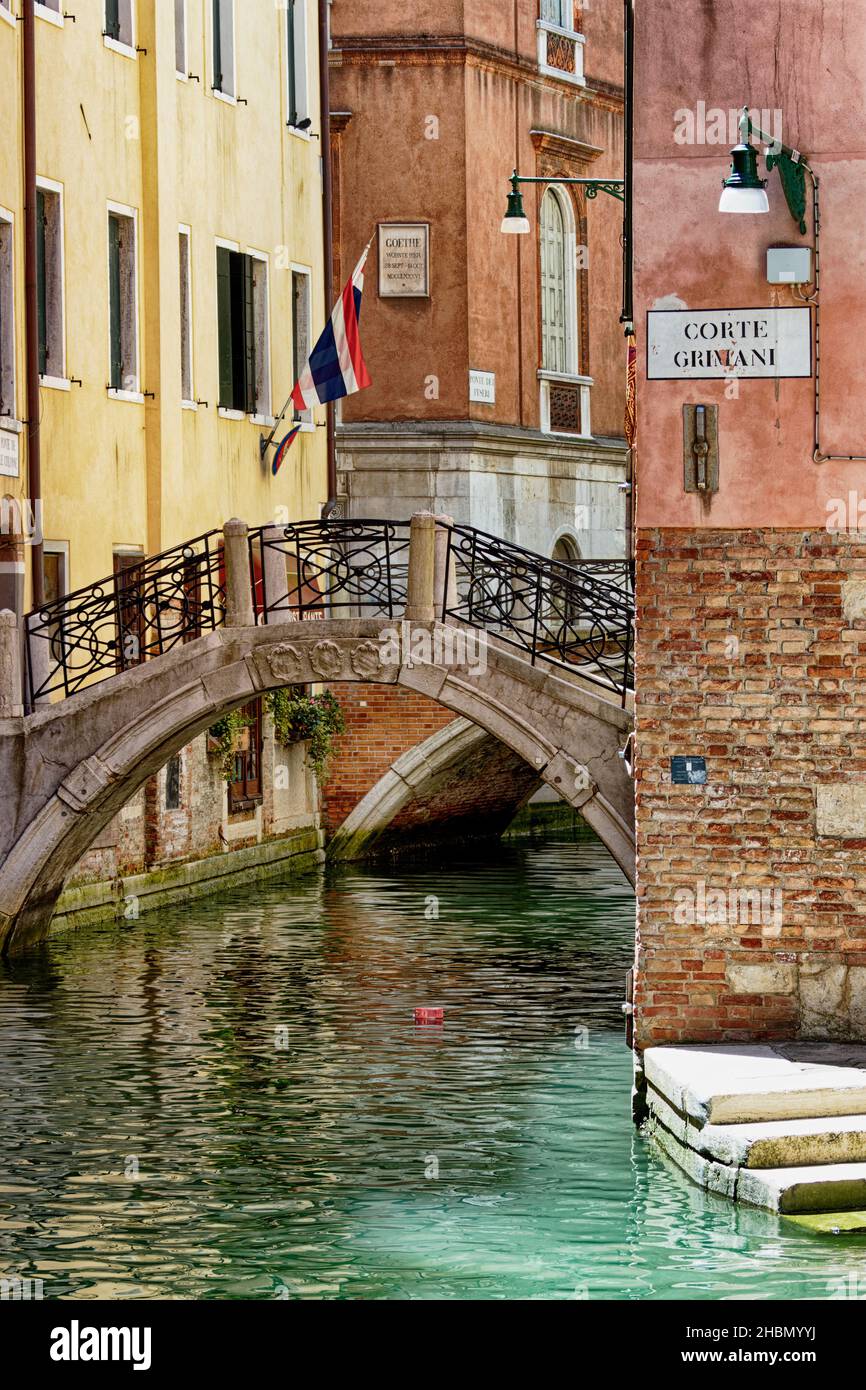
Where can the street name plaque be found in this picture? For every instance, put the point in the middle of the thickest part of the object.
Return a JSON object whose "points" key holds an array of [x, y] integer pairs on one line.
{"points": [[404, 260], [8, 454], [700, 344]]}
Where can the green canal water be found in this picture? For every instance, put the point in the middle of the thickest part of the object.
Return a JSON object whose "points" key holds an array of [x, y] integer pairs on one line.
{"points": [[232, 1101]]}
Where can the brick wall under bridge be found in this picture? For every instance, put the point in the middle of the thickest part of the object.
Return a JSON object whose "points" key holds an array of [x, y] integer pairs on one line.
{"points": [[462, 785], [751, 651]]}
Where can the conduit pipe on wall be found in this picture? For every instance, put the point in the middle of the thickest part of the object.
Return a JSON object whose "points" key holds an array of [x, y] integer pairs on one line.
{"points": [[327, 226], [31, 315]]}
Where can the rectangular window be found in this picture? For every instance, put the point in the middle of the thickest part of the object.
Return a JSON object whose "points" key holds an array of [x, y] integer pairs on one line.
{"points": [[7, 320], [172, 783], [119, 22], [261, 332], [123, 330], [130, 602], [224, 47], [297, 95], [557, 12], [245, 788], [180, 38], [242, 314], [49, 281], [301, 312], [186, 384], [55, 583]]}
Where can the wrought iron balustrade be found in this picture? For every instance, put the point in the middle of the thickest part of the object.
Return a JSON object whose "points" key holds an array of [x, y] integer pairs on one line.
{"points": [[337, 568], [577, 615], [556, 612], [140, 612]]}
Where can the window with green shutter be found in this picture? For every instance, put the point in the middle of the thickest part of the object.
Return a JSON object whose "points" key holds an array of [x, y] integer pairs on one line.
{"points": [[223, 30], [115, 307], [291, 63], [41, 288], [49, 281], [112, 19], [122, 303], [237, 313]]}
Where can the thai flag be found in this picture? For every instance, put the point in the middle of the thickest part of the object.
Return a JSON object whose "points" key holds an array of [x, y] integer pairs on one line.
{"points": [[336, 367]]}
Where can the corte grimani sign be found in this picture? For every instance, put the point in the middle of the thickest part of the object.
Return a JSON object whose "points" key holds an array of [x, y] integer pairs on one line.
{"points": [[692, 344]]}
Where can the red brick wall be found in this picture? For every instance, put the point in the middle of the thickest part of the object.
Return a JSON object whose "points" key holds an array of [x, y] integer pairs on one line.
{"points": [[381, 723], [749, 652]]}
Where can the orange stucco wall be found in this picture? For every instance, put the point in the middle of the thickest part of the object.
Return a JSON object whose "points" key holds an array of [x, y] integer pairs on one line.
{"points": [[803, 59]]}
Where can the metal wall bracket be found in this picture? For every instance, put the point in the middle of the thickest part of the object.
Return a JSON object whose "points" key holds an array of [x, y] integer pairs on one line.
{"points": [[701, 448]]}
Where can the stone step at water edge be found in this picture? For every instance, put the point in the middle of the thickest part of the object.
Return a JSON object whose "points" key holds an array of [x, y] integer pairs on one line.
{"points": [[769, 1143], [738, 1084], [832, 1187]]}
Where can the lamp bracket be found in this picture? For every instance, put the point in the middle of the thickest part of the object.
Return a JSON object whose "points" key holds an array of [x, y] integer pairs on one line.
{"points": [[793, 180]]}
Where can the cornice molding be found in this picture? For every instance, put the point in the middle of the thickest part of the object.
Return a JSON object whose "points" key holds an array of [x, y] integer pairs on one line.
{"points": [[563, 148], [443, 50]]}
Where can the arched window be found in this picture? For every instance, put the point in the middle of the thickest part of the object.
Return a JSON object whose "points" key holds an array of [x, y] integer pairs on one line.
{"points": [[566, 551], [558, 285]]}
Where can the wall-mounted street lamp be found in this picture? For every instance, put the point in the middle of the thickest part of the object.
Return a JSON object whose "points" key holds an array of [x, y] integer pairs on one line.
{"points": [[745, 191], [515, 219], [516, 222]]}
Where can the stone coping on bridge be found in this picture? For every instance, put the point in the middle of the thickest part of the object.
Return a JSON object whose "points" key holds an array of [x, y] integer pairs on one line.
{"points": [[73, 765]]}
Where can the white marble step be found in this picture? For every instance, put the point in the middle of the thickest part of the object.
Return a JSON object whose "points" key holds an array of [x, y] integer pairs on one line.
{"points": [[768, 1143], [730, 1084], [829, 1187]]}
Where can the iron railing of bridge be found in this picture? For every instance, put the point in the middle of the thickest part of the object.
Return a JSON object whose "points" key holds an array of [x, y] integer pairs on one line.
{"points": [[564, 614], [571, 615], [137, 613], [334, 568]]}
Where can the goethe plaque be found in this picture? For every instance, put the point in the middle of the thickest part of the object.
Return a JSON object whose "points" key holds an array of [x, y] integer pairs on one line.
{"points": [[404, 260]]}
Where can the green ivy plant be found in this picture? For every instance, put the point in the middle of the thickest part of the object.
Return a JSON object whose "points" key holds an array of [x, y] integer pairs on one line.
{"points": [[316, 719], [224, 733]]}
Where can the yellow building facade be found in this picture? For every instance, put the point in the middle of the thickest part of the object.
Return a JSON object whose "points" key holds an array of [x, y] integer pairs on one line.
{"points": [[163, 135], [180, 287]]}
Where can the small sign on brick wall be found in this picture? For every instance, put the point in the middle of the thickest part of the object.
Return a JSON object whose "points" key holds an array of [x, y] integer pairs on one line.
{"points": [[688, 771]]}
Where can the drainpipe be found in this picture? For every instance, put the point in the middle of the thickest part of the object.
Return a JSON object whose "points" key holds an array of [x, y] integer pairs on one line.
{"points": [[627, 251], [31, 312], [327, 228]]}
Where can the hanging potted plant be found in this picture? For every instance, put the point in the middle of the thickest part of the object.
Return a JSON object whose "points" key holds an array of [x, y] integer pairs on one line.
{"points": [[313, 719], [228, 736]]}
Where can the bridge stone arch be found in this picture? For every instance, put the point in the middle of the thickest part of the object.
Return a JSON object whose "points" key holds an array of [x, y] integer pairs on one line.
{"points": [[70, 767]]}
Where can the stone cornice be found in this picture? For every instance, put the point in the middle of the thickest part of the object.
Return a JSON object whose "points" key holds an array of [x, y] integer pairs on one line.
{"points": [[425, 50], [563, 147]]}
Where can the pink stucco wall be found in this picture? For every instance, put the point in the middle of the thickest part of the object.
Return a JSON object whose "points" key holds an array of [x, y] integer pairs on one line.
{"points": [[804, 59]]}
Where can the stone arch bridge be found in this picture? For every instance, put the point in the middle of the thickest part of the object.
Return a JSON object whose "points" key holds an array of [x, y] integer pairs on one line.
{"points": [[121, 675]]}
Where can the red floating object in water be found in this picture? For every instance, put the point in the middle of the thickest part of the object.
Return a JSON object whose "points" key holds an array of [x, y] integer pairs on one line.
{"points": [[426, 1015]]}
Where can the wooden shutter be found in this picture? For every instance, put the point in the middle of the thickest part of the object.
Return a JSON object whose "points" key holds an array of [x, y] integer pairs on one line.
{"points": [[217, 46], [291, 63], [115, 305], [130, 600], [42, 304], [250, 393], [112, 19], [224, 316], [554, 357]]}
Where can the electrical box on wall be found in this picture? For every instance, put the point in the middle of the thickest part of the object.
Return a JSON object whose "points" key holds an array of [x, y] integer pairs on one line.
{"points": [[789, 265]]}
